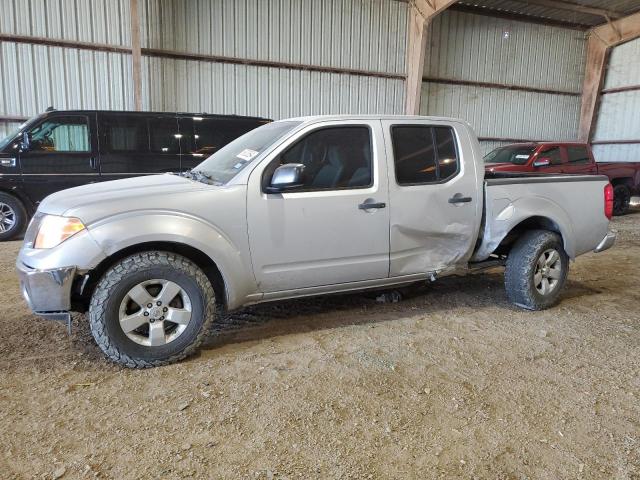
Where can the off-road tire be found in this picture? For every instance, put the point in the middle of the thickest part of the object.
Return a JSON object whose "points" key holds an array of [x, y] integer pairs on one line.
{"points": [[106, 298], [20, 214], [521, 266], [621, 200]]}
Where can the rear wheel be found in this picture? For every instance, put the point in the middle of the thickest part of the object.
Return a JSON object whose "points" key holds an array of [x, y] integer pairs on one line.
{"points": [[151, 309], [13, 217], [621, 199], [536, 270]]}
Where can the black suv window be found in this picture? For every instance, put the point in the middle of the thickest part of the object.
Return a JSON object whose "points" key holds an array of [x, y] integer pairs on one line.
{"points": [[204, 136], [61, 134], [335, 157], [164, 136], [578, 155], [424, 154], [125, 133]]}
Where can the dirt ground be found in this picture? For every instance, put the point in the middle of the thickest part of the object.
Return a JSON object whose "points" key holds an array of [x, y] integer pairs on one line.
{"points": [[451, 382]]}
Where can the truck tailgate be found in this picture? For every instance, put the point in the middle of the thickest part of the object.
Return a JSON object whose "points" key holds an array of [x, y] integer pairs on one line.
{"points": [[573, 205]]}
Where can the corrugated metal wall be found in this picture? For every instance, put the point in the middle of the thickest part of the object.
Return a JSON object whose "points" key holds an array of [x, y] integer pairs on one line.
{"points": [[619, 112], [34, 77], [367, 35], [201, 86], [476, 48]]}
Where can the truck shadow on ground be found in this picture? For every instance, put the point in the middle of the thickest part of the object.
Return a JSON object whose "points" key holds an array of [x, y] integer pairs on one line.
{"points": [[261, 322], [476, 292]]}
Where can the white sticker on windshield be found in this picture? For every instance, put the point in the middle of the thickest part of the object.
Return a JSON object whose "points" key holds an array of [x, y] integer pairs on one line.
{"points": [[522, 156], [247, 154]]}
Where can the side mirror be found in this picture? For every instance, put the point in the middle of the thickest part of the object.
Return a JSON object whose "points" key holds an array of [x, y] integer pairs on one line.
{"points": [[542, 162], [25, 144], [286, 177]]}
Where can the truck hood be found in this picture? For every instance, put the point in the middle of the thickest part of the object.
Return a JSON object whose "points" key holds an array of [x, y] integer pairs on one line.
{"points": [[97, 200]]}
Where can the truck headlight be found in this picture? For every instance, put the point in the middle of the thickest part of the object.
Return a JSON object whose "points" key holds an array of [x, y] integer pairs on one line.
{"points": [[55, 229]]}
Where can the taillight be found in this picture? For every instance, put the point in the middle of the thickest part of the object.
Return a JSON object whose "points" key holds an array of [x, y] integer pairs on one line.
{"points": [[608, 200]]}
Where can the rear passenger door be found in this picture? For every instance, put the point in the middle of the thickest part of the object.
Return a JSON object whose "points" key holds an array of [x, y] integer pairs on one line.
{"points": [[138, 144], [435, 204], [202, 137]]}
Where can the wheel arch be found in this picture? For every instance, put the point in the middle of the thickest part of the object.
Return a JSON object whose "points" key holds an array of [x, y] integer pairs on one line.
{"points": [[626, 181], [535, 222], [505, 224], [86, 284]]}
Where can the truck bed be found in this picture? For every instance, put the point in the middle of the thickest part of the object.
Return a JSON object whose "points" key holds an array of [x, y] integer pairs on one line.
{"points": [[572, 205]]}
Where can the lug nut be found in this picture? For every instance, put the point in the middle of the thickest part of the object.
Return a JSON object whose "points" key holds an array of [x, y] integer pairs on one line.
{"points": [[158, 303], [165, 309], [146, 314], [161, 318], [151, 320], [149, 305]]}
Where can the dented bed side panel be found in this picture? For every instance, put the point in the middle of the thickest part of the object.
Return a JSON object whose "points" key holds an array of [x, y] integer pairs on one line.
{"points": [[575, 205]]}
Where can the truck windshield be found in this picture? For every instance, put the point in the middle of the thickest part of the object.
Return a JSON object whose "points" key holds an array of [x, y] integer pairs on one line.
{"points": [[227, 162], [517, 155]]}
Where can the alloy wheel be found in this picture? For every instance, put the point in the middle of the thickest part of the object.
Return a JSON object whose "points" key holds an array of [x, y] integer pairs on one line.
{"points": [[155, 312], [548, 272]]}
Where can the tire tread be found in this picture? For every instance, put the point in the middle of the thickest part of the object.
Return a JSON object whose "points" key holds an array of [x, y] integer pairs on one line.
{"points": [[135, 263]]}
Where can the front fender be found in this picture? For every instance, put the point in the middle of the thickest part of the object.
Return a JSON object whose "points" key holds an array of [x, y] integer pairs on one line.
{"points": [[229, 251], [503, 215]]}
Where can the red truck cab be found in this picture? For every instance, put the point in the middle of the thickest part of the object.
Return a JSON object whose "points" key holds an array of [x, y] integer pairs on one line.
{"points": [[567, 157]]}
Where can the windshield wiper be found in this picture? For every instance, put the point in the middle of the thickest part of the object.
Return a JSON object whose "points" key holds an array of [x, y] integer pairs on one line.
{"points": [[200, 176]]}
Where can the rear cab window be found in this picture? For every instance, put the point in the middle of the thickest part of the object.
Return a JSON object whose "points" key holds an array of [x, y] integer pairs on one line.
{"points": [[424, 154], [578, 155]]}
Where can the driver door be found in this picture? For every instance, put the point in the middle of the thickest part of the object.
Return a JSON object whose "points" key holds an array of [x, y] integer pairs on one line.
{"points": [[319, 234], [61, 154]]}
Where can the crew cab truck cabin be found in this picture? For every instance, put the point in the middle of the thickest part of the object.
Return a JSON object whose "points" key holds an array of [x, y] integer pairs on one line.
{"points": [[295, 208], [571, 158]]}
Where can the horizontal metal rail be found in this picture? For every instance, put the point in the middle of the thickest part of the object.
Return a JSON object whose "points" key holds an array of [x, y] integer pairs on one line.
{"points": [[502, 86], [154, 52]]}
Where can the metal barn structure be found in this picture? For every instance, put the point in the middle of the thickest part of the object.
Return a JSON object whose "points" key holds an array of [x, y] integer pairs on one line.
{"points": [[515, 69]]}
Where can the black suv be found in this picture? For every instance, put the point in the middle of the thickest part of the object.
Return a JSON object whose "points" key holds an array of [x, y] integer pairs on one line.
{"points": [[65, 148]]}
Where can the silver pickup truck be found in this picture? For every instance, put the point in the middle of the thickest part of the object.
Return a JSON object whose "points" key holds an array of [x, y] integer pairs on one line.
{"points": [[300, 207]]}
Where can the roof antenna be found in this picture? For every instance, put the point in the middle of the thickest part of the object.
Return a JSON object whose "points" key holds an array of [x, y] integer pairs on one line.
{"points": [[50, 109]]}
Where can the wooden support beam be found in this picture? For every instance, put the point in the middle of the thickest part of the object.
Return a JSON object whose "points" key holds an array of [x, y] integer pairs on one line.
{"points": [[420, 14], [593, 77], [136, 55], [601, 40]]}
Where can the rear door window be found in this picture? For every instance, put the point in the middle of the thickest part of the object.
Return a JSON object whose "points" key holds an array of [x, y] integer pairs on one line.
{"points": [[424, 154], [578, 156]]}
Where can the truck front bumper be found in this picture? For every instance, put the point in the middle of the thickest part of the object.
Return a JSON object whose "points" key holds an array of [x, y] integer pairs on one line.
{"points": [[606, 243], [47, 292]]}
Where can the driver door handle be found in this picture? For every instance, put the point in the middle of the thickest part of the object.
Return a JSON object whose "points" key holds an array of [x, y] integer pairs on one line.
{"points": [[458, 198], [367, 206]]}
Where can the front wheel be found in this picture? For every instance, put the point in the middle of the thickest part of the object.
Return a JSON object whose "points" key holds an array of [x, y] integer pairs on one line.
{"points": [[536, 270], [150, 309]]}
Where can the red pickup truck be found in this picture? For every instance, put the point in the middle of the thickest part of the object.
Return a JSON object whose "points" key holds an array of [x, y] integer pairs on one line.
{"points": [[567, 157]]}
